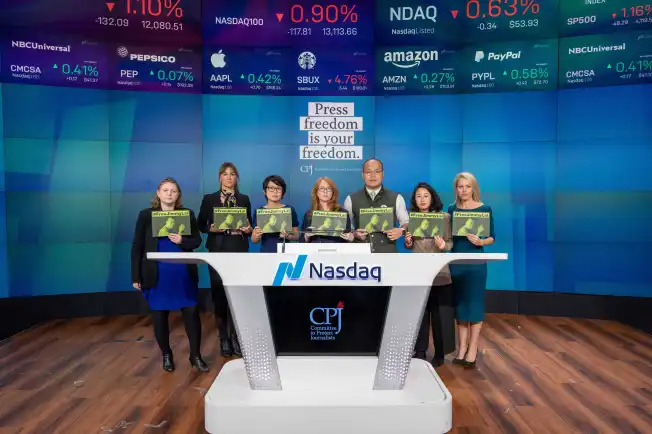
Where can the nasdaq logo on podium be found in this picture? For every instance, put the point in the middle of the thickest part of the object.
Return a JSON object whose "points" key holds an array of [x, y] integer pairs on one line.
{"points": [[289, 270], [321, 271]]}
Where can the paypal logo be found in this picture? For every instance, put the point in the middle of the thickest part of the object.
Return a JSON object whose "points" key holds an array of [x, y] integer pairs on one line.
{"points": [[322, 271], [286, 269]]}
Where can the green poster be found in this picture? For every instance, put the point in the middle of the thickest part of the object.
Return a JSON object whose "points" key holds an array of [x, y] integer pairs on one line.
{"points": [[427, 224], [468, 222], [377, 219], [165, 223], [229, 218], [328, 222], [274, 220]]}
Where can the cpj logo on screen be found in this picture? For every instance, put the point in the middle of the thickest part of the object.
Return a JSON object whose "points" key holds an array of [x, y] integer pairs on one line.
{"points": [[322, 271]]}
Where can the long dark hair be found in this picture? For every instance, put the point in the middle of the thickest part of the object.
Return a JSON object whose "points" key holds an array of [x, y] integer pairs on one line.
{"points": [[223, 168], [435, 202]]}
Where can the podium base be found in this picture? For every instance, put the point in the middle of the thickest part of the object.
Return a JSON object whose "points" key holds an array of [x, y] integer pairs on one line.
{"points": [[328, 394]]}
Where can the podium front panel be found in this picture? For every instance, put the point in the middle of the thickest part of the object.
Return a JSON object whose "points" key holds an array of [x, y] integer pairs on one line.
{"points": [[327, 320], [409, 276]]}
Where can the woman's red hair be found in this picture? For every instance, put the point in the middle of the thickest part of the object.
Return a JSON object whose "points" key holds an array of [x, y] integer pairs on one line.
{"points": [[334, 206]]}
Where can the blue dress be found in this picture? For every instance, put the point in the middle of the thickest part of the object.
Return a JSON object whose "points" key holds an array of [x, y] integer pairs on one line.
{"points": [[268, 241], [469, 280], [175, 288]]}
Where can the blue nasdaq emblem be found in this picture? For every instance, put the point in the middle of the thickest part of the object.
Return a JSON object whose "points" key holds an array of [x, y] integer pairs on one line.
{"points": [[289, 270]]}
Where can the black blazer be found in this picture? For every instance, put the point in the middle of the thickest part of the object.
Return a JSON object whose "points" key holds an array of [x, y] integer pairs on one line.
{"points": [[145, 271], [220, 241]]}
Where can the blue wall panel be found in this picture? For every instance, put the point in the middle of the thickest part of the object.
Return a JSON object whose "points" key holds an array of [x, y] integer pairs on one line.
{"points": [[565, 173]]}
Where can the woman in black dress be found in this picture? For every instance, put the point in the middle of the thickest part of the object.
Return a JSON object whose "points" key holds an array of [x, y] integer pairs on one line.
{"points": [[225, 241]]}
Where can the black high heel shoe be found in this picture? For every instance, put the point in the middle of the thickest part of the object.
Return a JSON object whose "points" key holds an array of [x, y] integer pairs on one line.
{"points": [[461, 361], [225, 347], [236, 345], [198, 362], [168, 362], [467, 364]]}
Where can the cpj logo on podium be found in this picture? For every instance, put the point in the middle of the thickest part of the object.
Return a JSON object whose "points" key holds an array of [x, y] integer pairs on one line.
{"points": [[321, 271], [327, 322]]}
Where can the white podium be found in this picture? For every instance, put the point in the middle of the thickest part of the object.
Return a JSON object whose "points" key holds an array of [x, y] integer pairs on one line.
{"points": [[388, 394]]}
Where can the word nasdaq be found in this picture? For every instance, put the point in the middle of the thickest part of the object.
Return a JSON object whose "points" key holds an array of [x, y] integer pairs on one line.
{"points": [[338, 272], [325, 272]]}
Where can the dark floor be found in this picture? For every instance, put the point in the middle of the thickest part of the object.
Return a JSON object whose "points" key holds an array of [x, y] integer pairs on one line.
{"points": [[534, 375]]}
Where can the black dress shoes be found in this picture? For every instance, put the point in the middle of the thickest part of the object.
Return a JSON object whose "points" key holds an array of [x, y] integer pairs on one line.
{"points": [[236, 345], [168, 362], [198, 362], [225, 347], [437, 361]]}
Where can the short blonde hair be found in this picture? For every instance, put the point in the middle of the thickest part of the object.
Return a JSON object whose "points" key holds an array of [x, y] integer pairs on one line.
{"points": [[475, 188]]}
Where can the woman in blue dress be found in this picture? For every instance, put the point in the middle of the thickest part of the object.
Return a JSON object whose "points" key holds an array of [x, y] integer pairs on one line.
{"points": [[469, 280], [274, 188], [168, 286]]}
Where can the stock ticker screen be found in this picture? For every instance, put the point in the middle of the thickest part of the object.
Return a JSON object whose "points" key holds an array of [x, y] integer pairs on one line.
{"points": [[274, 23], [313, 47], [154, 21]]}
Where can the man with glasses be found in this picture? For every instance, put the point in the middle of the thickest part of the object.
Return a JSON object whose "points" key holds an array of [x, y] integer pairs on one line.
{"points": [[375, 195]]}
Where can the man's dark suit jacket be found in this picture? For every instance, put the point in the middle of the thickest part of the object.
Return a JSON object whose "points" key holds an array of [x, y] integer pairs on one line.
{"points": [[220, 241], [145, 271]]}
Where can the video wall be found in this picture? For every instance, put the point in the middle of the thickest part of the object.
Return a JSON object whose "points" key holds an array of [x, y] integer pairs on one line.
{"points": [[546, 102]]}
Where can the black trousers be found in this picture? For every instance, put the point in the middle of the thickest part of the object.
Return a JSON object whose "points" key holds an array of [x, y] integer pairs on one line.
{"points": [[223, 319], [190, 320], [439, 315]]}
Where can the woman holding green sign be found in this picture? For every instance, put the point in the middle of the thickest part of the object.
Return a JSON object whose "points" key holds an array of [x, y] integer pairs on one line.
{"points": [[229, 235], [326, 221], [439, 313], [469, 280], [168, 286], [274, 221]]}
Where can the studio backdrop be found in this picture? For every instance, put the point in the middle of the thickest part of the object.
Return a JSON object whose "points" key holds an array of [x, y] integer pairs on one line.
{"points": [[552, 116]]}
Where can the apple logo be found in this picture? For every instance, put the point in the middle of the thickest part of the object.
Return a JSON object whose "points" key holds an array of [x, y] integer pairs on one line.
{"points": [[217, 60]]}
